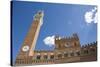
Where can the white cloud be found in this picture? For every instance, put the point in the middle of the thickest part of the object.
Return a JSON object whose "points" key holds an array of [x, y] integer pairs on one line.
{"points": [[93, 10], [95, 18], [88, 17], [91, 16], [49, 40]]}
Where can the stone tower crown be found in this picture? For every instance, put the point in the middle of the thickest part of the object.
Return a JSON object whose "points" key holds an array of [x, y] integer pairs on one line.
{"points": [[39, 16], [72, 41], [74, 36]]}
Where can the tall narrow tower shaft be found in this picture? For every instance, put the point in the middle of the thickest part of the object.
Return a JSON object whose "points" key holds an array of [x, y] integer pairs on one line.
{"points": [[28, 46]]}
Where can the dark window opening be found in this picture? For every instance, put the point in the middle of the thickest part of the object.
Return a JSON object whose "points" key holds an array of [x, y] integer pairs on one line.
{"points": [[86, 51], [92, 50], [59, 46], [45, 56], [59, 56], [71, 54], [65, 55], [78, 53], [38, 57], [52, 57], [75, 44]]}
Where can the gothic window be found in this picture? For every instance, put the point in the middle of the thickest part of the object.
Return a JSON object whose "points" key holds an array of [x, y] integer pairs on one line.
{"points": [[92, 50], [66, 55], [52, 57], [45, 56], [85, 51], [22, 62], [77, 53], [72, 54], [19, 61], [59, 46], [38, 57], [75, 44], [59, 56]]}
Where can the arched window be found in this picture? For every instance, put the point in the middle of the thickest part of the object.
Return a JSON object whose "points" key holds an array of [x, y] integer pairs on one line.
{"points": [[65, 54], [85, 51], [45, 57], [78, 53], [59, 56], [72, 54], [92, 50], [38, 57], [59, 46], [75, 44], [52, 57]]}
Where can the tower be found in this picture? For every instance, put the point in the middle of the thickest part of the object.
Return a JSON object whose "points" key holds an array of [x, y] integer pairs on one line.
{"points": [[28, 46]]}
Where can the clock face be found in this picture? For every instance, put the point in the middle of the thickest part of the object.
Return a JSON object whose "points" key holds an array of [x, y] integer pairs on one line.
{"points": [[25, 48]]}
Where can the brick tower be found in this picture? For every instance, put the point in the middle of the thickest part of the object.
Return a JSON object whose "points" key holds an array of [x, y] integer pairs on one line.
{"points": [[28, 46]]}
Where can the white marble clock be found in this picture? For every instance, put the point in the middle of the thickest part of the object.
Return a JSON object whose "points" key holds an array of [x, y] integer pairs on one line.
{"points": [[25, 48]]}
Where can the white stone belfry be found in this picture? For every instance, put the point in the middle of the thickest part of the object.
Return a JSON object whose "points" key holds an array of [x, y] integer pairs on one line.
{"points": [[39, 16]]}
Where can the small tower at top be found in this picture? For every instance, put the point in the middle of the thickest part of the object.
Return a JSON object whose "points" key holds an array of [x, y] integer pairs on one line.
{"points": [[39, 17]]}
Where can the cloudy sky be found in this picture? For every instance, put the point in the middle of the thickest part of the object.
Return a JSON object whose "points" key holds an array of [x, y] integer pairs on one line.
{"points": [[59, 19]]}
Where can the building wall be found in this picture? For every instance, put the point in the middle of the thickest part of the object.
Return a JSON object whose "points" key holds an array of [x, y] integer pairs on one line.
{"points": [[43, 57], [73, 52], [63, 54], [89, 52]]}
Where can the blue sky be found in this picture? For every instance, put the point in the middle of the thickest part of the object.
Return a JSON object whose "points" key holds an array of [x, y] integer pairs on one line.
{"points": [[61, 19]]}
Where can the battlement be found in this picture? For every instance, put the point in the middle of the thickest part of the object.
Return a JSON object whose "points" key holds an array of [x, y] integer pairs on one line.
{"points": [[89, 44], [64, 42], [89, 51], [73, 37]]}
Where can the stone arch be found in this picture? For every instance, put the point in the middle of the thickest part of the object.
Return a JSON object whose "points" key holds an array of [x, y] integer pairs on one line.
{"points": [[38, 57], [65, 54], [51, 56], [77, 53], [86, 51], [92, 50], [59, 55], [45, 56], [72, 54]]}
